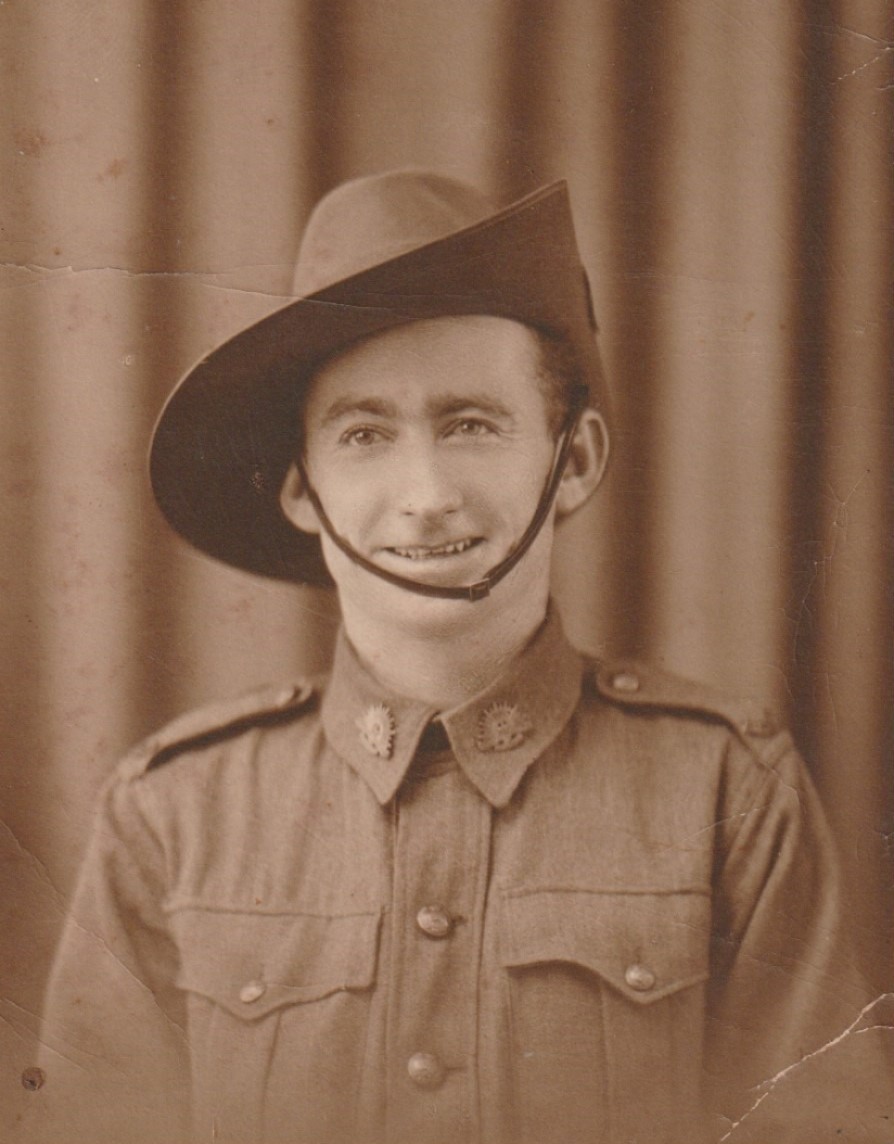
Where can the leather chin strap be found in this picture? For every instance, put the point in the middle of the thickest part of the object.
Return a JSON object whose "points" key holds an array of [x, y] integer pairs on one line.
{"points": [[482, 587]]}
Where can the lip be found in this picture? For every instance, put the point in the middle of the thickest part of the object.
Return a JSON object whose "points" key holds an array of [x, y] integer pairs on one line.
{"points": [[422, 553], [446, 564]]}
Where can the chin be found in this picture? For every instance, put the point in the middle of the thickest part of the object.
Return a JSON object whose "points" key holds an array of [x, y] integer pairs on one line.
{"points": [[426, 615], [523, 592], [430, 617]]}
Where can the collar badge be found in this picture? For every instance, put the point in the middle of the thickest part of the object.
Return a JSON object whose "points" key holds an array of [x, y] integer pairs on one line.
{"points": [[377, 726], [501, 727]]}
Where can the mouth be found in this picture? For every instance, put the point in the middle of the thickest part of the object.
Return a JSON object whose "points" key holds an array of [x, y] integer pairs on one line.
{"points": [[421, 552]]}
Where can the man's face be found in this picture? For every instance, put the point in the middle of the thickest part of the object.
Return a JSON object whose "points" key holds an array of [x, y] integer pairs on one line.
{"points": [[429, 446]]}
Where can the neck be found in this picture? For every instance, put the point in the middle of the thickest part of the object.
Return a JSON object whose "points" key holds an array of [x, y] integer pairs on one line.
{"points": [[443, 664]]}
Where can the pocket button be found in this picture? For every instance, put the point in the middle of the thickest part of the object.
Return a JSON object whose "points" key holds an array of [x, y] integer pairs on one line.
{"points": [[252, 991], [639, 977], [425, 1070]]}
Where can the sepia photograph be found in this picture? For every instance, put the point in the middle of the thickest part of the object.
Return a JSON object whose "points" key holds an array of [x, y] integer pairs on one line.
{"points": [[446, 563]]}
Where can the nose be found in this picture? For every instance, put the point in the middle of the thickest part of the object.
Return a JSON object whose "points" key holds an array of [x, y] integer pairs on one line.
{"points": [[428, 487]]}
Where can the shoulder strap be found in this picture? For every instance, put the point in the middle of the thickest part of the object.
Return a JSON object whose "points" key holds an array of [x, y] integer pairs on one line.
{"points": [[215, 722], [638, 685]]}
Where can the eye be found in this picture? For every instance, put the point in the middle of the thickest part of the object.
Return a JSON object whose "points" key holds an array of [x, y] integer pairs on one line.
{"points": [[361, 436], [470, 427]]}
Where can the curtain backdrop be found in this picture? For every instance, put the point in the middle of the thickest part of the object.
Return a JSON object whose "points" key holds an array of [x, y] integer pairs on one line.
{"points": [[729, 165]]}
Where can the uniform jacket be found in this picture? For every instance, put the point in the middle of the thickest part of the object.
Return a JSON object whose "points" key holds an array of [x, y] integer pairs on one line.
{"points": [[593, 904]]}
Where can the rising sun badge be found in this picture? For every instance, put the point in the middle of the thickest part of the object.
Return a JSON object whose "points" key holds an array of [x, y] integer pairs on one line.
{"points": [[501, 727], [376, 726]]}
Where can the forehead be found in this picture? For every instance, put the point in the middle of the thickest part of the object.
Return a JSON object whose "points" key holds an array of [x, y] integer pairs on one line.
{"points": [[451, 354]]}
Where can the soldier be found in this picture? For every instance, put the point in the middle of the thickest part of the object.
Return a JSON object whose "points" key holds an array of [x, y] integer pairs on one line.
{"points": [[471, 886]]}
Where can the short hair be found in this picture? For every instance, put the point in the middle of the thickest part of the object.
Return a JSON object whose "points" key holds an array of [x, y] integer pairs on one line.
{"points": [[560, 375]]}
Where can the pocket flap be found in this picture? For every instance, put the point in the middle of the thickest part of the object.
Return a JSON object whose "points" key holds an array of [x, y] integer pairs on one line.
{"points": [[253, 963], [645, 945]]}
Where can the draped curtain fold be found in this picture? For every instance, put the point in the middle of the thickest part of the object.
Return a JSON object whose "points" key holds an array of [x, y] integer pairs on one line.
{"points": [[729, 166]]}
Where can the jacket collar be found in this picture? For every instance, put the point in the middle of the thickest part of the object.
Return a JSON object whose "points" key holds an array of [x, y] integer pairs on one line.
{"points": [[495, 736]]}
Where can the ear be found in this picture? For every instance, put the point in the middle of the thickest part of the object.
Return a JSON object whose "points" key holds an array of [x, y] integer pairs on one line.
{"points": [[295, 502], [586, 463]]}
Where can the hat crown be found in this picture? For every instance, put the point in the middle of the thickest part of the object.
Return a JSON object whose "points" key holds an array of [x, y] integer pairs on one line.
{"points": [[370, 220]]}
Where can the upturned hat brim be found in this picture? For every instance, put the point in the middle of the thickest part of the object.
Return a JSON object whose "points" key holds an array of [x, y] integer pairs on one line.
{"points": [[230, 429]]}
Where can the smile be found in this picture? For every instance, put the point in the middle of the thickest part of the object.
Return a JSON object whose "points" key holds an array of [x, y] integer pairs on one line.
{"points": [[427, 552]]}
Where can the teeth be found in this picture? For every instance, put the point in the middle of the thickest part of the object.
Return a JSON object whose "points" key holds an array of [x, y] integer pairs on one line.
{"points": [[420, 553]]}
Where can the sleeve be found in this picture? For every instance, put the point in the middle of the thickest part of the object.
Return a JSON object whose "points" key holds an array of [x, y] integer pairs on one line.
{"points": [[113, 1038], [798, 1049]]}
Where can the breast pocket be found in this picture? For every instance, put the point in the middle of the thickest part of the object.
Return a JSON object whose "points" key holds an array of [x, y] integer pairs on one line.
{"points": [[278, 1005], [606, 997]]}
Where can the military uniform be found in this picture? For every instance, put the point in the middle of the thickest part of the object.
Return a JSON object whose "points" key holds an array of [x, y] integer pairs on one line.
{"points": [[593, 904], [590, 905]]}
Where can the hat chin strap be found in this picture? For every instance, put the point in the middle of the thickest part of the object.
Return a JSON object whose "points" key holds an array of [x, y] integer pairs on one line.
{"points": [[482, 587]]}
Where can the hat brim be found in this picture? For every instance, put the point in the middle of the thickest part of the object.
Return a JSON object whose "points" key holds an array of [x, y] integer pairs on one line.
{"points": [[228, 432]]}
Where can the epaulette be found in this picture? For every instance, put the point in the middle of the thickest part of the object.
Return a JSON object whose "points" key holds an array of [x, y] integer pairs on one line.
{"points": [[215, 722], [640, 685]]}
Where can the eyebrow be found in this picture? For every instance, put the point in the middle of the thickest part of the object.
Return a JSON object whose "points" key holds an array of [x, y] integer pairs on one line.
{"points": [[437, 404], [447, 405], [349, 406]]}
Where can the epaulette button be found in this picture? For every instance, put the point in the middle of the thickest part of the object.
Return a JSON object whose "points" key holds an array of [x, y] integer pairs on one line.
{"points": [[625, 681], [285, 697]]}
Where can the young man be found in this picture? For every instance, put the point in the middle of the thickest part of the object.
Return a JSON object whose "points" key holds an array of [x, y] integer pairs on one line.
{"points": [[471, 887]]}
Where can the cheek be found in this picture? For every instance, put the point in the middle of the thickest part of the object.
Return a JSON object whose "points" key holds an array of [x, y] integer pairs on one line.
{"points": [[351, 503], [530, 472], [356, 498], [501, 487]]}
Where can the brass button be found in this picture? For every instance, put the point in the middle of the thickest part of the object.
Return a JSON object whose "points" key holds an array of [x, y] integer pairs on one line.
{"points": [[434, 922], [252, 992], [625, 681], [639, 977], [425, 1070]]}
